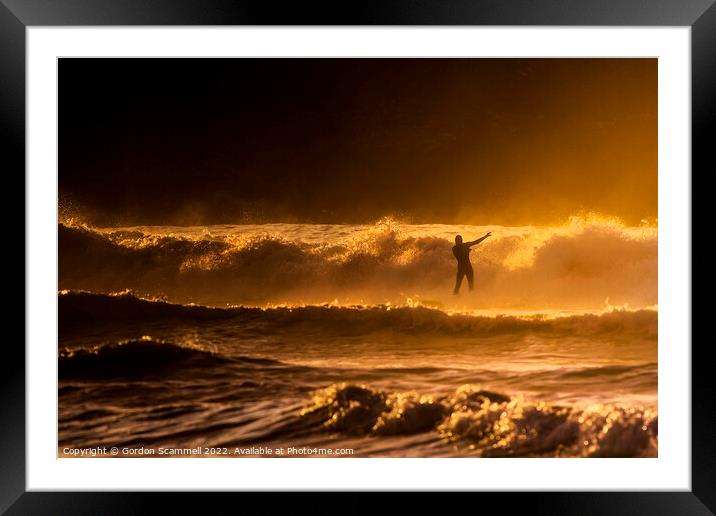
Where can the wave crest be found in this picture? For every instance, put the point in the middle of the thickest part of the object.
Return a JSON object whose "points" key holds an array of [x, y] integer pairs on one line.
{"points": [[132, 358], [578, 265], [76, 308], [488, 423]]}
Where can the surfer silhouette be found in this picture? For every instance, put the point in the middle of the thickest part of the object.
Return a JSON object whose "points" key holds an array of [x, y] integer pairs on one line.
{"points": [[461, 250]]}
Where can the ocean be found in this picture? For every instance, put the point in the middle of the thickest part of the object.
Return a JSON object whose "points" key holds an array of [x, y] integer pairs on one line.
{"points": [[348, 337]]}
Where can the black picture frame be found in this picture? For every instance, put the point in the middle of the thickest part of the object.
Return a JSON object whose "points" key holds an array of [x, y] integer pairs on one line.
{"points": [[17, 15]]}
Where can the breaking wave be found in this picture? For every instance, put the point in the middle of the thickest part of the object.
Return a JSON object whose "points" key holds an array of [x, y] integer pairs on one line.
{"points": [[76, 309], [579, 265], [490, 424]]}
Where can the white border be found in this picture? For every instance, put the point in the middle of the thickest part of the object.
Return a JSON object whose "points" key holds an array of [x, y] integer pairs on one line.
{"points": [[671, 470]]}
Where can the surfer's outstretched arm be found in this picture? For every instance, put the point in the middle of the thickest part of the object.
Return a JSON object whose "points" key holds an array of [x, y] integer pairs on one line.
{"points": [[475, 242]]}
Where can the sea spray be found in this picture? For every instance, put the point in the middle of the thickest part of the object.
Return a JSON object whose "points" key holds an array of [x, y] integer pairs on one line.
{"points": [[580, 265]]}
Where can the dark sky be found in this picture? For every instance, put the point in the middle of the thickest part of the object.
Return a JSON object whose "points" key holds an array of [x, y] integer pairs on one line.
{"points": [[484, 141]]}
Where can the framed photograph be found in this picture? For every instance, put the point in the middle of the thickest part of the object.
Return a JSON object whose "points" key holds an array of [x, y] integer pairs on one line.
{"points": [[406, 249]]}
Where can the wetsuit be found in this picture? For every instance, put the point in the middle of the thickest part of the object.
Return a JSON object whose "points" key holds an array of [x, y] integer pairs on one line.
{"points": [[464, 267]]}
